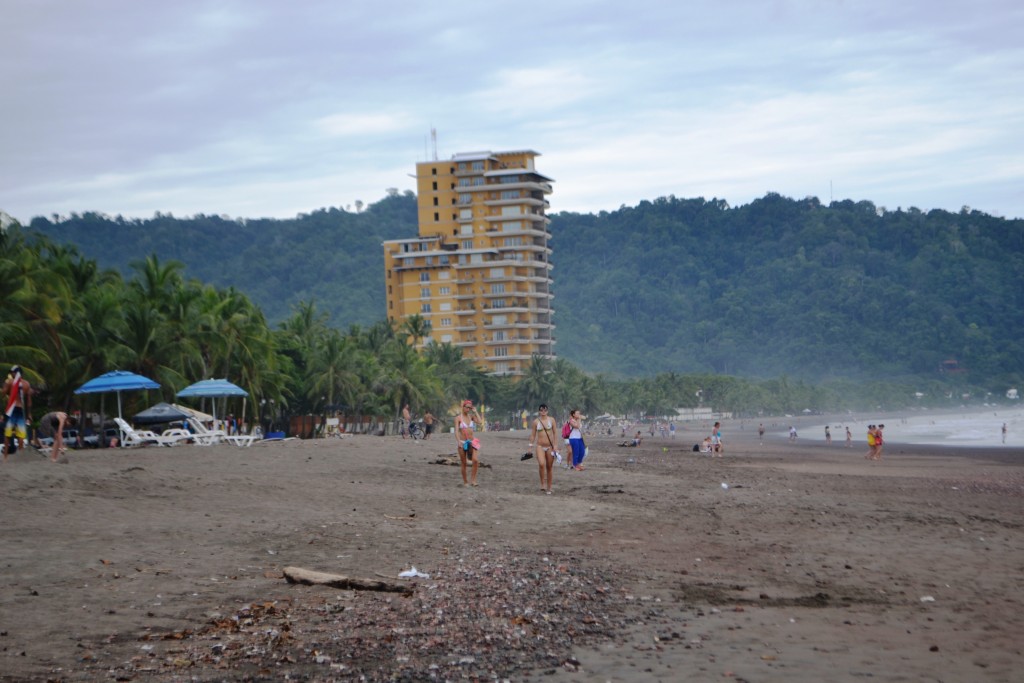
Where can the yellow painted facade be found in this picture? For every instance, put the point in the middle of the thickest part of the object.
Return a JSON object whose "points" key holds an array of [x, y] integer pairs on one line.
{"points": [[480, 269]]}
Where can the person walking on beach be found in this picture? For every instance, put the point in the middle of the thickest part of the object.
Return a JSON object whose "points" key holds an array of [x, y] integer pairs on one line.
{"points": [[428, 424], [792, 433], [542, 440], [849, 437], [879, 442], [1004, 432], [870, 455], [716, 440], [406, 421], [760, 433], [576, 440], [18, 413], [828, 436], [467, 443]]}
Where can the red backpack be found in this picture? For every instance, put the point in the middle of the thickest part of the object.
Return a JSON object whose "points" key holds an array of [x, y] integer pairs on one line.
{"points": [[566, 430]]}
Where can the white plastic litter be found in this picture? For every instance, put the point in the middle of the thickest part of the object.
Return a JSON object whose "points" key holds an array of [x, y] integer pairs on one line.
{"points": [[413, 574], [724, 485]]}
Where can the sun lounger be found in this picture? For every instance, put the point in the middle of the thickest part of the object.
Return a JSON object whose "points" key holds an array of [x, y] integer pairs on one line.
{"points": [[208, 437], [131, 437]]}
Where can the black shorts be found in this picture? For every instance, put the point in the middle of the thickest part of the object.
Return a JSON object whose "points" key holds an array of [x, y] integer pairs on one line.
{"points": [[429, 429]]}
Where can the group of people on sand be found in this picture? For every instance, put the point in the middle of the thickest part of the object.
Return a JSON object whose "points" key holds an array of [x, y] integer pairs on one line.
{"points": [[544, 444], [875, 442]]}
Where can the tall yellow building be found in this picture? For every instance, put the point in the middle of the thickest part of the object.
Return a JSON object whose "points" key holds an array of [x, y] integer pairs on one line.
{"points": [[480, 270]]}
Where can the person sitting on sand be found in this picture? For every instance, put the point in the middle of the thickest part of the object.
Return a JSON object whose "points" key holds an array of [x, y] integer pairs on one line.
{"points": [[706, 446]]}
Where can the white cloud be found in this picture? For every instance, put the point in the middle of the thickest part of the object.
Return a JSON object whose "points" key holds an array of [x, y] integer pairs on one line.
{"points": [[265, 109]]}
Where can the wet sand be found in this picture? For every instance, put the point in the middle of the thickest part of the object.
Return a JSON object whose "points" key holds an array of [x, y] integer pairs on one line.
{"points": [[812, 563]]}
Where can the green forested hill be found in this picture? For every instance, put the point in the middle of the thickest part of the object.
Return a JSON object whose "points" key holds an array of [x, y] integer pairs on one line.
{"points": [[782, 286], [778, 286], [331, 256]]}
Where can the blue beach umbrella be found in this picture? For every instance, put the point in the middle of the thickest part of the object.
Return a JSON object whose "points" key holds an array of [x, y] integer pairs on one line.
{"points": [[117, 381], [212, 388]]}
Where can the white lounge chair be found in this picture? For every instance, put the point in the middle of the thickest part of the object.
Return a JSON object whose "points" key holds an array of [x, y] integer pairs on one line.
{"points": [[131, 437], [204, 436], [208, 437]]}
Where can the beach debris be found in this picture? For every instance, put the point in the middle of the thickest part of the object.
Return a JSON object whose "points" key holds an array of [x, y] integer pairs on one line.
{"points": [[310, 577], [413, 574], [927, 598], [725, 486], [454, 460]]}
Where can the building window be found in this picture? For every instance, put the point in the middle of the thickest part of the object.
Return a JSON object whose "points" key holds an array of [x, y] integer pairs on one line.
{"points": [[444, 291], [446, 339], [498, 288], [437, 216], [478, 165], [467, 244], [435, 186], [497, 272], [425, 308], [446, 322], [425, 293], [446, 307], [513, 241], [444, 275], [511, 211], [501, 351], [465, 198], [510, 194], [435, 201], [433, 171], [465, 213], [498, 303], [443, 260], [509, 179], [424, 277]]}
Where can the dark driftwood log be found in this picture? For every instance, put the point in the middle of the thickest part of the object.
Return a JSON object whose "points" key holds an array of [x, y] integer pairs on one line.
{"points": [[308, 577]]}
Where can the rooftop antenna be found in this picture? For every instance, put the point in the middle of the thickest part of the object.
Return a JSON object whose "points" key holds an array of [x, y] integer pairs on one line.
{"points": [[433, 140]]}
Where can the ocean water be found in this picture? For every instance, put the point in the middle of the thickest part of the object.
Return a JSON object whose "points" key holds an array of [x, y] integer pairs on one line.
{"points": [[946, 428]]}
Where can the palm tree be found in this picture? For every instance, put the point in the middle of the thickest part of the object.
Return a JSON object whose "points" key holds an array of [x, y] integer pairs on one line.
{"points": [[415, 328], [536, 384]]}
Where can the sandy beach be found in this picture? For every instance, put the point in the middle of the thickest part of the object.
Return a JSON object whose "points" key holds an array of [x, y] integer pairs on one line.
{"points": [[776, 562]]}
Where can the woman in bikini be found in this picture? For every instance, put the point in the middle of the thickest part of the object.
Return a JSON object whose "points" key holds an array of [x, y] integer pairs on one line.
{"points": [[468, 445], [542, 439]]}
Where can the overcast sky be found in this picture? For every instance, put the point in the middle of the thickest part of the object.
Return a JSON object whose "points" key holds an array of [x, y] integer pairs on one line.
{"points": [[260, 108]]}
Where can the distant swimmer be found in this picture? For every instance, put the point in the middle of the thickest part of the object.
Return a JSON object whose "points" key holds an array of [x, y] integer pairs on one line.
{"points": [[1004, 432]]}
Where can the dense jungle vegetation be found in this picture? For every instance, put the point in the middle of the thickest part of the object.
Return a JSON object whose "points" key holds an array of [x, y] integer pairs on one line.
{"points": [[778, 305]]}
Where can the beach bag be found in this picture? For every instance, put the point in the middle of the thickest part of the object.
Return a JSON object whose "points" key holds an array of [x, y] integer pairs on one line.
{"points": [[566, 430]]}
